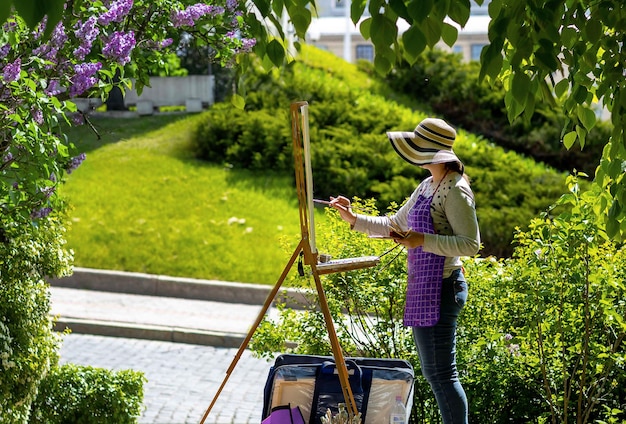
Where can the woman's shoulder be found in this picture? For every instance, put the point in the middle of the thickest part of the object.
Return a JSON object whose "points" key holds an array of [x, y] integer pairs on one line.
{"points": [[459, 183]]}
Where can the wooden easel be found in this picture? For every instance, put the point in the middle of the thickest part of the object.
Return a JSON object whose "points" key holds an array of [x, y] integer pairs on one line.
{"points": [[303, 185]]}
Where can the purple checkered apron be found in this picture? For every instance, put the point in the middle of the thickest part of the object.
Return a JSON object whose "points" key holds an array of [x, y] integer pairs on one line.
{"points": [[425, 269]]}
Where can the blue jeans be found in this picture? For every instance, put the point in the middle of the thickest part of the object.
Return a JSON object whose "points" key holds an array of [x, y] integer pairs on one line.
{"points": [[436, 347]]}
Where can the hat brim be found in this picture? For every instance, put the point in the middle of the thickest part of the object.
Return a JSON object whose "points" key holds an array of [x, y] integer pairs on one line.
{"points": [[404, 144]]}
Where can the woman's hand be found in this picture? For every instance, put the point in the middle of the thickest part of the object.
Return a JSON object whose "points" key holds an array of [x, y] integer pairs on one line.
{"points": [[412, 240], [342, 204]]}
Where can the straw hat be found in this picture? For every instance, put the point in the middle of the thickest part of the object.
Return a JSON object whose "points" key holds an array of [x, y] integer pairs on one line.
{"points": [[431, 142]]}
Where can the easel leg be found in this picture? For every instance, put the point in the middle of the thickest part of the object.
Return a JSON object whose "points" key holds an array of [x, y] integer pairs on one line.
{"points": [[244, 344], [340, 363]]}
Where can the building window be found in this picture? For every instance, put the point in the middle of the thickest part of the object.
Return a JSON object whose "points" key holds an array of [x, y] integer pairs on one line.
{"points": [[365, 51], [475, 51], [339, 4], [457, 49]]}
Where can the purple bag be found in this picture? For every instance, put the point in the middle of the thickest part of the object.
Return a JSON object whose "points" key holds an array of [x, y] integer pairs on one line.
{"points": [[285, 414]]}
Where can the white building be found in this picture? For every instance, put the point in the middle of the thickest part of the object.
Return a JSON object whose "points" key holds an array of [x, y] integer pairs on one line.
{"points": [[334, 31]]}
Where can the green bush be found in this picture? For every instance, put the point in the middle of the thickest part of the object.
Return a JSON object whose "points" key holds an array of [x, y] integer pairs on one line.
{"points": [[28, 345], [86, 395]]}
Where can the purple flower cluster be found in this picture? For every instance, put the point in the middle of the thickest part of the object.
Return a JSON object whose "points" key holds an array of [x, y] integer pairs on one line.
{"points": [[247, 44], [4, 50], [231, 5], [50, 49], [116, 12], [37, 115], [86, 33], [12, 71], [75, 162], [119, 46], [53, 88], [41, 213], [189, 16], [84, 78]]}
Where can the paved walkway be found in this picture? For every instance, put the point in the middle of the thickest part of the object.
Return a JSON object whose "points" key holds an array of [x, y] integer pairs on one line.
{"points": [[183, 334]]}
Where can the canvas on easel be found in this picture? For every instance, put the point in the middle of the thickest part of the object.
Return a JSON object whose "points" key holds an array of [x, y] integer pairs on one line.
{"points": [[304, 184], [308, 249]]}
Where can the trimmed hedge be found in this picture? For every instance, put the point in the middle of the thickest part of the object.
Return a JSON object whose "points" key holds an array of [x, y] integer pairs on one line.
{"points": [[87, 395], [349, 114]]}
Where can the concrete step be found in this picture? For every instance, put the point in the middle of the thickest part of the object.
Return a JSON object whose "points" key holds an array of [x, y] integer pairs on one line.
{"points": [[143, 306]]}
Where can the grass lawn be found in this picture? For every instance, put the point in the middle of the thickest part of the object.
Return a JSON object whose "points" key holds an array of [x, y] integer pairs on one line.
{"points": [[142, 203]]}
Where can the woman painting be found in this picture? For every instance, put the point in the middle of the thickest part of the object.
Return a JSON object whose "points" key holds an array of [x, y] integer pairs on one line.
{"points": [[438, 226]]}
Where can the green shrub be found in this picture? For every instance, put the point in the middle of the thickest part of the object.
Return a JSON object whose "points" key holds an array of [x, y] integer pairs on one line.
{"points": [[28, 345], [254, 140], [86, 395]]}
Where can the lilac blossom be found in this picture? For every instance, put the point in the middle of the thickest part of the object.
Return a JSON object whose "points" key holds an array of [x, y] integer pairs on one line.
{"points": [[12, 71], [41, 213], [165, 43], [48, 191], [78, 119], [86, 33], [40, 28], [53, 88], [231, 5], [75, 162], [247, 44], [84, 77], [4, 50], [37, 115], [119, 46], [190, 15], [8, 157], [116, 12]]}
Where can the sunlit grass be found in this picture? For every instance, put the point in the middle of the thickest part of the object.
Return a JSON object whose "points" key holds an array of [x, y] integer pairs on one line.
{"points": [[142, 203]]}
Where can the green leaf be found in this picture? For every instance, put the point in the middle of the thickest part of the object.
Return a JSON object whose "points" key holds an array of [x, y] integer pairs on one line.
{"points": [[520, 86], [432, 31], [459, 11], [276, 53], [593, 30], [449, 34], [569, 139], [357, 7], [561, 87], [31, 11], [277, 7], [513, 107], [383, 31], [5, 10], [586, 116], [383, 60], [301, 19], [399, 7], [491, 60], [263, 6], [365, 28], [419, 9], [238, 101], [414, 43]]}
